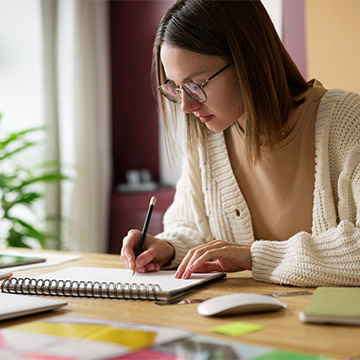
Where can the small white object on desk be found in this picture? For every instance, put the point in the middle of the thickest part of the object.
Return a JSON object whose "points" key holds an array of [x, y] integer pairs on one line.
{"points": [[239, 303], [13, 306]]}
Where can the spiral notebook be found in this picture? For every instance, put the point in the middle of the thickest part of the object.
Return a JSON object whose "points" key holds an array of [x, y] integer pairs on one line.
{"points": [[109, 283]]}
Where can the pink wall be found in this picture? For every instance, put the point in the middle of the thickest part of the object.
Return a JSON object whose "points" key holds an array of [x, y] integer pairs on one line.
{"points": [[294, 32]]}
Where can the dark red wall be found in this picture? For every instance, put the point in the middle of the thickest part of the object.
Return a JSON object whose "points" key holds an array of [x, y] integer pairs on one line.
{"points": [[133, 26]]}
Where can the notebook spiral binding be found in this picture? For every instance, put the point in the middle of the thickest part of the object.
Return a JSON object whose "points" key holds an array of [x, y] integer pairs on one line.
{"points": [[75, 288]]}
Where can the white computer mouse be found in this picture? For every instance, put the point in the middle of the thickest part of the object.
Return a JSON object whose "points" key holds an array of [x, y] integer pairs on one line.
{"points": [[239, 303]]}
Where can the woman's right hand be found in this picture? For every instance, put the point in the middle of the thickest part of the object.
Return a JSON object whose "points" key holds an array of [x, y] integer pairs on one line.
{"points": [[156, 252]]}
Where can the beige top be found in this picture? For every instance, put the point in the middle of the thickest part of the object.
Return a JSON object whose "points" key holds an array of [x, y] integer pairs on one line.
{"points": [[279, 188]]}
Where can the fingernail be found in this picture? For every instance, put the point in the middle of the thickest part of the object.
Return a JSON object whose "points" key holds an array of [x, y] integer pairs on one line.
{"points": [[185, 275], [151, 267]]}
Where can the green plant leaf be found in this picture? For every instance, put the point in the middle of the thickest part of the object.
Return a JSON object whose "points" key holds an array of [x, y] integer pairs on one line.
{"points": [[22, 133], [22, 198], [6, 181], [16, 239], [5, 155], [29, 231], [28, 198], [17, 187], [49, 177], [18, 136]]}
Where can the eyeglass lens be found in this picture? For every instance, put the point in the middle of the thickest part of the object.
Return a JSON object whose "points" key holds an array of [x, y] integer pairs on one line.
{"points": [[195, 91], [173, 93]]}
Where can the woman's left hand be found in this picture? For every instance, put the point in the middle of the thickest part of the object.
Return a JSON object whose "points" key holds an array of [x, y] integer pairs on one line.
{"points": [[217, 255]]}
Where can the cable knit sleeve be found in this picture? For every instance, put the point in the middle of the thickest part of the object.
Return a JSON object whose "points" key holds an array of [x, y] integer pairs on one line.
{"points": [[185, 222], [330, 256]]}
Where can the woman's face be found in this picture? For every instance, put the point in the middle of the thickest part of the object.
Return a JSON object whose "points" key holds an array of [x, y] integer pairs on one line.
{"points": [[224, 105]]}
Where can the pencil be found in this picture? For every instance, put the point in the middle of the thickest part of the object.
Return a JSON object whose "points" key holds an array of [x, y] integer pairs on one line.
{"points": [[4, 276], [146, 224]]}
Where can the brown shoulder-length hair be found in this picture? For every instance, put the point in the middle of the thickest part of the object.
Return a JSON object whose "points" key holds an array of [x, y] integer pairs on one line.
{"points": [[243, 34]]}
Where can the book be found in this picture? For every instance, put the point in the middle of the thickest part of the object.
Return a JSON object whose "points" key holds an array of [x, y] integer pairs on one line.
{"points": [[334, 305], [13, 306], [109, 283]]}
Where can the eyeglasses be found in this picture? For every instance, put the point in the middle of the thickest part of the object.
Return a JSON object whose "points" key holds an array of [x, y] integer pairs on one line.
{"points": [[195, 91]]}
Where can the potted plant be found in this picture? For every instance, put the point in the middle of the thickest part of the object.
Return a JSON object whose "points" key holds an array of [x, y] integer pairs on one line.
{"points": [[20, 192]]}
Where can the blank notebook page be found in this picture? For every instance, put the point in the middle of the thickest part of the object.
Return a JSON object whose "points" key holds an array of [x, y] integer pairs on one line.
{"points": [[165, 279]]}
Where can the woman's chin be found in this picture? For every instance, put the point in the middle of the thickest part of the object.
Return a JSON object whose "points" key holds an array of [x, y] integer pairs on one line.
{"points": [[215, 128]]}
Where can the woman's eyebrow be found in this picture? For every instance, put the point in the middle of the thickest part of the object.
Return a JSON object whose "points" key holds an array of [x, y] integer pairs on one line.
{"points": [[189, 77], [194, 75]]}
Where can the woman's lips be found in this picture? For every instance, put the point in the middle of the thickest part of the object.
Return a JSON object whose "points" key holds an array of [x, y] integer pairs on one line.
{"points": [[205, 119]]}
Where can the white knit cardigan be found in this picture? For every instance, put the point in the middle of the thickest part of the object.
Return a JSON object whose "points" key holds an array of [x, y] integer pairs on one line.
{"points": [[209, 205]]}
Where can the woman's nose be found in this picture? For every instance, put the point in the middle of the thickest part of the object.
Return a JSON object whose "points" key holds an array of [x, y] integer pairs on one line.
{"points": [[189, 105]]}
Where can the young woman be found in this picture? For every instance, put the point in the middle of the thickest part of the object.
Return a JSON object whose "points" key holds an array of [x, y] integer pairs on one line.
{"points": [[271, 173]]}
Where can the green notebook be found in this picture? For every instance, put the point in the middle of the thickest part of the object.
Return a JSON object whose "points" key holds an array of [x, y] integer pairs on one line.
{"points": [[334, 305]]}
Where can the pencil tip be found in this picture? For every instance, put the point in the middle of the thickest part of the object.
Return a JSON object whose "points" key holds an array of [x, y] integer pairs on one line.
{"points": [[153, 200]]}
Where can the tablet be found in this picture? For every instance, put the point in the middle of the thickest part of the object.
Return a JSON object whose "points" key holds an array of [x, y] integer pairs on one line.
{"points": [[13, 305], [15, 260]]}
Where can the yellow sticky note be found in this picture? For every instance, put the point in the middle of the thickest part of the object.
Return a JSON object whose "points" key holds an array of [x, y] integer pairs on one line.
{"points": [[131, 338], [236, 328]]}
